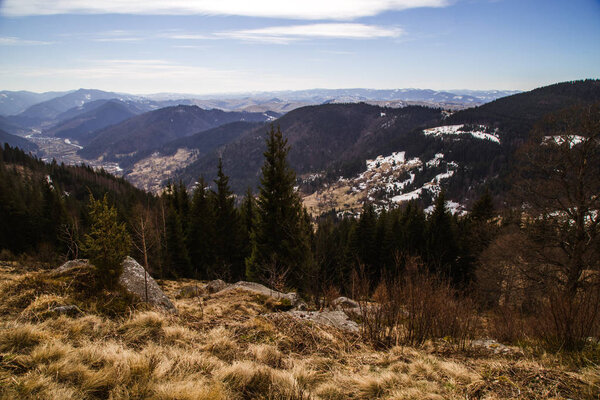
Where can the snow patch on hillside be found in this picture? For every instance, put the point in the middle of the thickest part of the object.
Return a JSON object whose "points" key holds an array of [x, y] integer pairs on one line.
{"points": [[572, 140], [478, 132]]}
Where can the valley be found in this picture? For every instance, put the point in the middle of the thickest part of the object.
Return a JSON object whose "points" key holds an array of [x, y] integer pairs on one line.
{"points": [[64, 151]]}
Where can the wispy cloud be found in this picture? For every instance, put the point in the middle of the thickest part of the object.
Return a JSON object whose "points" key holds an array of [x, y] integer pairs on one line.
{"points": [[287, 34], [15, 41], [139, 75], [185, 36], [118, 36], [293, 9]]}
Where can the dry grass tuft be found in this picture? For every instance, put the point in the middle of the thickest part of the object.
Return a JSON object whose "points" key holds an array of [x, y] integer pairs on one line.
{"points": [[249, 380], [266, 354], [20, 338], [219, 343], [144, 327], [190, 391]]}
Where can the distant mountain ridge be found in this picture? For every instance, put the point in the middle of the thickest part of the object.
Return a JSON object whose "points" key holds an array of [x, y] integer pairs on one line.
{"points": [[15, 102], [83, 126]]}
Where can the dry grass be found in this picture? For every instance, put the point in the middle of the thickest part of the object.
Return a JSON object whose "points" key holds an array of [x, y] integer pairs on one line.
{"points": [[220, 347]]}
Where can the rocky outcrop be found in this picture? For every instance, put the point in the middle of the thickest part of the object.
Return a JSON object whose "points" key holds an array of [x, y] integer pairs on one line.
{"points": [[132, 279], [265, 291]]}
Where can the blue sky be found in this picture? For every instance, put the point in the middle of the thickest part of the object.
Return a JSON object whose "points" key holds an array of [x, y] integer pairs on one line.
{"points": [[224, 46]]}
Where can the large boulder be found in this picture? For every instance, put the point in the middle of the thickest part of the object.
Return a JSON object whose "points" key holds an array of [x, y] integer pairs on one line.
{"points": [[132, 279]]}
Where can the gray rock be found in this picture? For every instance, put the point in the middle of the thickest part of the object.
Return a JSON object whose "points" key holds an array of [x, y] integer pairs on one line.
{"points": [[216, 286], [494, 346], [132, 279], [71, 264], [262, 289], [70, 310], [342, 303], [337, 319]]}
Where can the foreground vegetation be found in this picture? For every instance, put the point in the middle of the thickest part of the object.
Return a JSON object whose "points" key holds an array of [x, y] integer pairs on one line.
{"points": [[235, 345]]}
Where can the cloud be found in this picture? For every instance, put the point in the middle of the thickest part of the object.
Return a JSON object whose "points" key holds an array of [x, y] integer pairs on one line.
{"points": [[290, 9], [150, 75], [286, 34], [15, 41]]}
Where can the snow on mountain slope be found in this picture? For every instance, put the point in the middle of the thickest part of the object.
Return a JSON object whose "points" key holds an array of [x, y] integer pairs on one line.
{"points": [[386, 182], [477, 131]]}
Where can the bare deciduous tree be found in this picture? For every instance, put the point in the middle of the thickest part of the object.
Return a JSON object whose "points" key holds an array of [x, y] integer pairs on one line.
{"points": [[143, 237], [554, 258]]}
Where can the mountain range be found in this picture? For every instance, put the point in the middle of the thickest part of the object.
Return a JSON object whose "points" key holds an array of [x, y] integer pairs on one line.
{"points": [[461, 151], [452, 139]]}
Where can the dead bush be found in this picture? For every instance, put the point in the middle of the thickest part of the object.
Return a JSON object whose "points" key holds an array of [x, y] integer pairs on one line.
{"points": [[413, 308]]}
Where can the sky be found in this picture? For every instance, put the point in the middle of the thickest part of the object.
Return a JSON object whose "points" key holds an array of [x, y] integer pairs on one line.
{"points": [[230, 46]]}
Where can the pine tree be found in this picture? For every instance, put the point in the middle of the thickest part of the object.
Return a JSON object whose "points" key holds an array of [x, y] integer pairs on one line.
{"points": [[201, 231], [177, 259], [280, 240], [442, 249], [107, 243], [483, 208], [248, 215], [228, 252]]}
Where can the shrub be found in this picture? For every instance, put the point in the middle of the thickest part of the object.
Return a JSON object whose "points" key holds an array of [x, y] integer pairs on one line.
{"points": [[413, 308]]}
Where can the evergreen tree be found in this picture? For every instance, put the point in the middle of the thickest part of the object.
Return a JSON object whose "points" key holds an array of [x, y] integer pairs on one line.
{"points": [[248, 215], [442, 249], [483, 208], [177, 259], [107, 243], [280, 240], [201, 231], [229, 261]]}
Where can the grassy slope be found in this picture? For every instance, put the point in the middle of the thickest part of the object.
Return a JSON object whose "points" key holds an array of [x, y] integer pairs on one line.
{"points": [[219, 347]]}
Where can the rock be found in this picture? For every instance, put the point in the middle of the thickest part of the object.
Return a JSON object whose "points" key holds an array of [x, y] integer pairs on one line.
{"points": [[132, 279], [262, 289], [216, 286], [71, 310], [494, 346], [342, 303], [71, 264], [190, 291], [337, 319]]}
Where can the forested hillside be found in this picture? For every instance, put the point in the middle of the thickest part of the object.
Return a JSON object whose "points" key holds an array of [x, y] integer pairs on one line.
{"points": [[332, 137], [43, 207], [158, 127]]}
